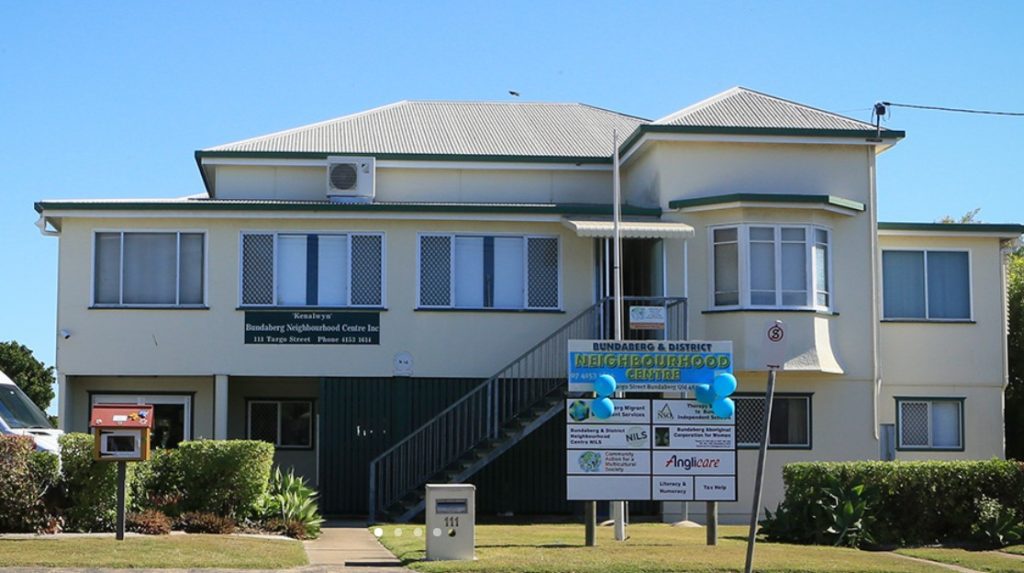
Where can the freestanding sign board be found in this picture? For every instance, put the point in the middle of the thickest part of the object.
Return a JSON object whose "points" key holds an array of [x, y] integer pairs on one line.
{"points": [[121, 434], [664, 450]]}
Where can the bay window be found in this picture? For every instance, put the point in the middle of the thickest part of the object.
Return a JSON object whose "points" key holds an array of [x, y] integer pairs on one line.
{"points": [[771, 266], [488, 272], [307, 269]]}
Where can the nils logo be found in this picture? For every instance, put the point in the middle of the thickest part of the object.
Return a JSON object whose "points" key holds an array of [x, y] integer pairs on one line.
{"points": [[637, 437]]}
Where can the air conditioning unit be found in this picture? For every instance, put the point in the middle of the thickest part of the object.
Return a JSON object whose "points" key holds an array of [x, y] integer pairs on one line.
{"points": [[350, 179]]}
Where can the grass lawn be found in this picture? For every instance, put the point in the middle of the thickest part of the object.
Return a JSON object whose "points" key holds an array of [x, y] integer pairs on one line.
{"points": [[990, 561], [1016, 549], [652, 548], [166, 551]]}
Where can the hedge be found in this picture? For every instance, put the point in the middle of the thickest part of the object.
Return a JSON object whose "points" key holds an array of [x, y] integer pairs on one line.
{"points": [[25, 477], [223, 477], [89, 487], [907, 503]]}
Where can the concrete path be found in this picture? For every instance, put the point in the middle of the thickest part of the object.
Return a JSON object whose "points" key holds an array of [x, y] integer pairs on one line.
{"points": [[351, 546]]}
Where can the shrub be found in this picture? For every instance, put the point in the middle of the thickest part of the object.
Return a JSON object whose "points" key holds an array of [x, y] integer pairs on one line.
{"points": [[290, 506], [911, 503], [203, 522], [997, 526], [158, 483], [89, 487], [223, 477], [26, 476], [149, 522]]}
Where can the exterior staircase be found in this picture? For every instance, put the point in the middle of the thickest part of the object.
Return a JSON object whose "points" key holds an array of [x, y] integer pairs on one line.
{"points": [[496, 415]]}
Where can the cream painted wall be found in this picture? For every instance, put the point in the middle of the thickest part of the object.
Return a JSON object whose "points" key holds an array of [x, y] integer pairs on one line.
{"points": [[403, 184], [79, 388], [681, 170], [145, 342], [938, 354]]}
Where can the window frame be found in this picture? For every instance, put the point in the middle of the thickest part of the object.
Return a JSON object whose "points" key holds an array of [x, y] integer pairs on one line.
{"points": [[348, 243], [249, 401], [525, 237], [177, 283], [927, 309], [743, 267], [959, 400], [760, 396], [186, 399]]}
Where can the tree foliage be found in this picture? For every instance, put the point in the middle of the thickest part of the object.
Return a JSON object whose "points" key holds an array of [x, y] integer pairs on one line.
{"points": [[31, 375], [1015, 353]]}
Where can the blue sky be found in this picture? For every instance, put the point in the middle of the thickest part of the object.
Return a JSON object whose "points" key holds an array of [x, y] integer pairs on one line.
{"points": [[110, 99]]}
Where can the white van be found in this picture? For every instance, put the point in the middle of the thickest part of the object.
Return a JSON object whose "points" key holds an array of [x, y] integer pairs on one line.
{"points": [[20, 416]]}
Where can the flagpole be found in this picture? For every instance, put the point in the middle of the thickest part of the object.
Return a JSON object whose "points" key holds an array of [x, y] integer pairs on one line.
{"points": [[618, 507]]}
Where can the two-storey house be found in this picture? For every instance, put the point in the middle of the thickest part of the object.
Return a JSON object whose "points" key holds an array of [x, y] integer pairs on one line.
{"points": [[387, 296]]}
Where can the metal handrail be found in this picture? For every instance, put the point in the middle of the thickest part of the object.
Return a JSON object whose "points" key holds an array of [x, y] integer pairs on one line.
{"points": [[479, 415]]}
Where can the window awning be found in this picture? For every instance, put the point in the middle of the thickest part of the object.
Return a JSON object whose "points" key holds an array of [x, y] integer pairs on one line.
{"points": [[629, 229]]}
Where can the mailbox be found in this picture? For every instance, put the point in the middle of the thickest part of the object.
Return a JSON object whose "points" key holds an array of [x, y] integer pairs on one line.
{"points": [[451, 522], [121, 432]]}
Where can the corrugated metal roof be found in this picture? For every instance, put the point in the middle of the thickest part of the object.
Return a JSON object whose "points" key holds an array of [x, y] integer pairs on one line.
{"points": [[604, 228], [740, 107], [456, 128]]}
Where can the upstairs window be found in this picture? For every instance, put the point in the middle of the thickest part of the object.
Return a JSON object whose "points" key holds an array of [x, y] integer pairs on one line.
{"points": [[926, 285], [148, 269], [319, 270], [488, 272], [771, 266]]}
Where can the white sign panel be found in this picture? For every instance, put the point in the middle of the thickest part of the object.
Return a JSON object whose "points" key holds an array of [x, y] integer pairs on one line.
{"points": [[773, 345], [608, 462], [618, 488], [607, 437], [650, 449], [686, 412], [647, 317], [689, 463], [694, 437], [577, 411], [665, 488]]}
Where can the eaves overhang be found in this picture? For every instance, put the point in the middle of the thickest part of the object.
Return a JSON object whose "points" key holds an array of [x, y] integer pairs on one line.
{"points": [[751, 200], [1000, 230]]}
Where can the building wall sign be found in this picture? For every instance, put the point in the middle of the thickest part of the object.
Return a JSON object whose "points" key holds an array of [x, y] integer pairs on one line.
{"points": [[671, 450], [647, 365], [311, 327]]}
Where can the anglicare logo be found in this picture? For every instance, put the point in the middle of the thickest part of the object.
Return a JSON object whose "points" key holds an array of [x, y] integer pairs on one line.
{"points": [[665, 413], [692, 462], [579, 411]]}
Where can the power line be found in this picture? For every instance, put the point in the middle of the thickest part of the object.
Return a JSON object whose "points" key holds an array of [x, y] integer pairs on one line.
{"points": [[955, 109]]}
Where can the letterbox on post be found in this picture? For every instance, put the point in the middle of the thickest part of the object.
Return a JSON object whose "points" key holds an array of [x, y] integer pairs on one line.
{"points": [[451, 522], [121, 431]]}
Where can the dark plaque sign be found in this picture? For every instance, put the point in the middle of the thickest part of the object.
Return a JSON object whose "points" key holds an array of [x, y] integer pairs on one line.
{"points": [[311, 327]]}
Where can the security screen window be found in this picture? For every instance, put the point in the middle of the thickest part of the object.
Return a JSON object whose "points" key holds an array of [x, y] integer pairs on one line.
{"points": [[317, 270], [790, 427], [488, 272], [771, 266], [148, 269], [929, 424], [284, 423], [926, 285]]}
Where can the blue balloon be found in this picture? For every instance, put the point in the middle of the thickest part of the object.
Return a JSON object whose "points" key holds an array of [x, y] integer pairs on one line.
{"points": [[704, 394], [723, 407], [603, 408], [724, 384], [604, 385]]}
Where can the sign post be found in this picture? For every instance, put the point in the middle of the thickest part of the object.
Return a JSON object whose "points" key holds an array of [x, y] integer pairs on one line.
{"points": [[774, 352]]}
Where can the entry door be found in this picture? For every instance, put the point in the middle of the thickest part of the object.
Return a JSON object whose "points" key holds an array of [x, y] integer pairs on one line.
{"points": [[643, 275]]}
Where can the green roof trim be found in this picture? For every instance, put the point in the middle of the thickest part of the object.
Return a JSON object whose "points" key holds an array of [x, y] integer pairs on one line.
{"points": [[216, 205], [768, 131], [768, 198], [1008, 228], [200, 154]]}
